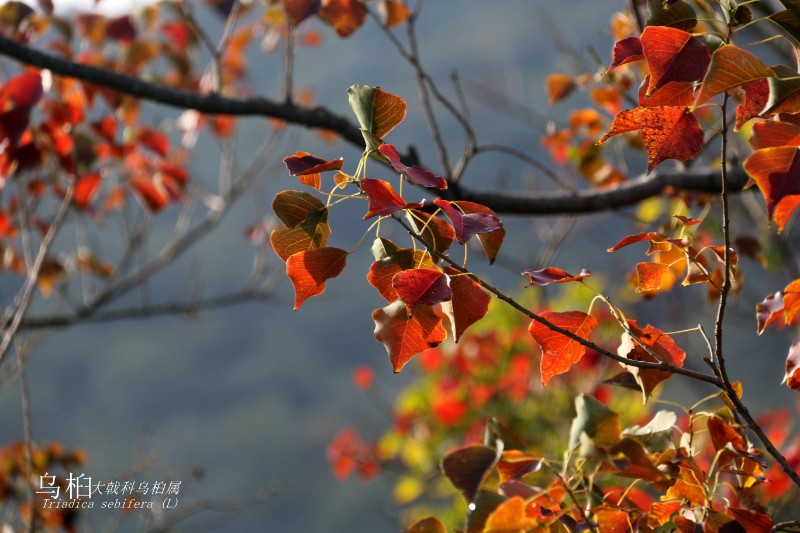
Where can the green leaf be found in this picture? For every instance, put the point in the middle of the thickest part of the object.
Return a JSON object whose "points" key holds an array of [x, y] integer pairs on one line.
{"points": [[678, 15], [595, 421], [383, 248], [292, 207], [377, 111], [312, 233]]}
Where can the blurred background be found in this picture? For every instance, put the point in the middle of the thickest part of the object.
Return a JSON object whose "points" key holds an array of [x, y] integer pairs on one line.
{"points": [[237, 399]]}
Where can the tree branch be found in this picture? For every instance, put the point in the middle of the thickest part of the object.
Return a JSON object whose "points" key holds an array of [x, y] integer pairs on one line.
{"points": [[512, 202]]}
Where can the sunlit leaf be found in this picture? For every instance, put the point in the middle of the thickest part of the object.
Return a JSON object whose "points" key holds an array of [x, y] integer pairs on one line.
{"points": [[308, 271], [791, 302], [422, 286], [559, 352], [154, 140], [792, 376], [661, 512], [312, 233], [769, 310], [292, 207], [509, 517], [752, 521], [773, 134], [393, 12], [492, 241], [674, 93], [546, 276], [673, 55], [470, 302], [377, 111], [404, 335], [346, 16], [611, 520], [415, 174], [649, 276], [383, 201], [690, 485], [649, 339], [756, 95], [776, 171], [467, 225], [730, 67], [668, 132], [467, 468], [515, 464], [86, 187], [435, 231], [382, 271]]}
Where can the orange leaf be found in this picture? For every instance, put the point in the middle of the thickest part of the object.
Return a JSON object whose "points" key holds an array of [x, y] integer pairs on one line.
{"points": [[509, 517], [690, 486], [751, 521], [546, 276], [723, 434], [668, 132], [673, 55], [346, 16], [756, 96], [611, 520], [394, 12], [791, 302], [776, 171], [515, 464], [772, 134], [312, 233], [436, 232], [769, 310], [308, 271], [650, 276], [730, 67], [377, 111], [674, 93], [649, 339], [559, 352], [661, 512], [405, 336], [559, 86], [383, 201]]}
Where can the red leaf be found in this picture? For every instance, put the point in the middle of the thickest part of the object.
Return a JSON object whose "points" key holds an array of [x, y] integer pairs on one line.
{"points": [[668, 132], [346, 16], [470, 302], [559, 352], [776, 171], [106, 128], [773, 134], [723, 434], [85, 188], [792, 376], [673, 55], [515, 464], [491, 241], [546, 276], [309, 270], [303, 163], [382, 272], [299, 10], [769, 310], [730, 67], [121, 29], [415, 174], [468, 225], [155, 140], [383, 201], [422, 286], [405, 336], [559, 86], [24, 91], [756, 96], [686, 221], [656, 341], [752, 521], [626, 51]]}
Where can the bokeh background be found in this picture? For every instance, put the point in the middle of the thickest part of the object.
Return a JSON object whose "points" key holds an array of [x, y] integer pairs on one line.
{"points": [[237, 399]]}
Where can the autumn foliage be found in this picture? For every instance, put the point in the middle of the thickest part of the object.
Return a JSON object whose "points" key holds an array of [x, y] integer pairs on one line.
{"points": [[527, 413]]}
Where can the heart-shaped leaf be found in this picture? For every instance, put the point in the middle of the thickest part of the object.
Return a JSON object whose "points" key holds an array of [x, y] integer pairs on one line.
{"points": [[491, 241], [383, 201], [673, 55], [468, 468], [292, 207], [382, 272], [647, 340], [377, 111], [404, 335], [312, 233], [309, 270], [470, 302], [560, 352]]}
